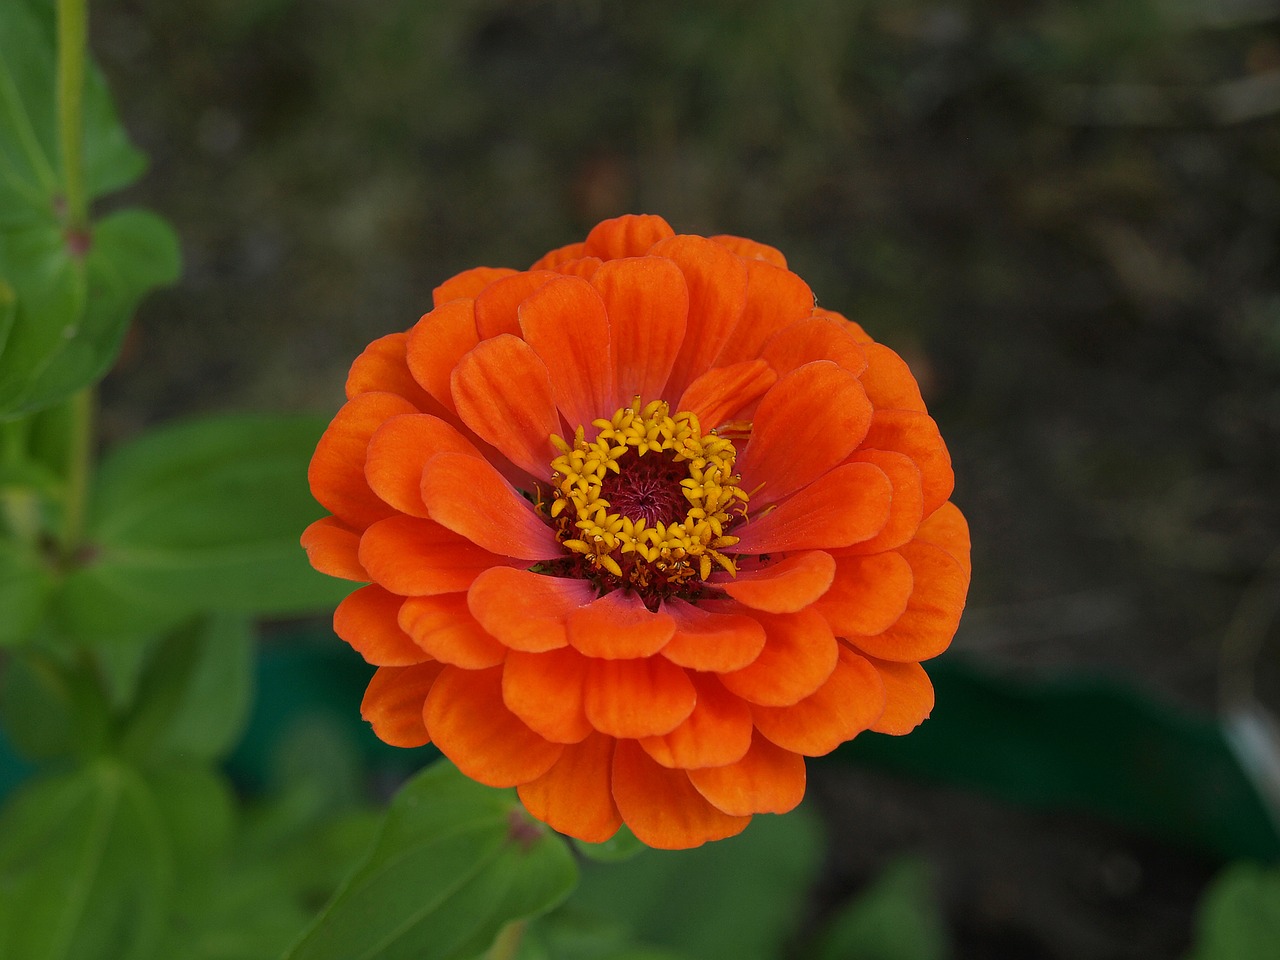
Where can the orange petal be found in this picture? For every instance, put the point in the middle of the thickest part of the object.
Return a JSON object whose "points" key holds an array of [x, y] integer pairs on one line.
{"points": [[799, 653], [398, 452], [575, 796], [811, 420], [776, 297], [888, 380], [908, 697], [503, 394], [468, 283], [443, 626], [383, 367], [813, 338], [467, 495], [473, 727], [545, 691], [560, 255], [785, 586], [583, 267], [435, 345], [661, 806], [414, 557], [393, 703], [717, 282], [367, 619], [849, 702], [712, 636], [751, 249], [336, 472], [618, 626], [717, 732], [860, 335], [565, 323], [627, 236], [947, 528], [933, 612], [526, 610], [916, 435], [768, 779], [647, 301], [637, 698], [845, 506], [906, 506], [498, 305], [868, 594], [334, 548], [719, 394]]}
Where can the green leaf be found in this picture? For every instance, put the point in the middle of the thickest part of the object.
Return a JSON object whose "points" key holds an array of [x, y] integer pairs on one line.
{"points": [[454, 863], [753, 885], [1239, 918], [85, 868], [622, 846], [50, 709], [897, 918], [25, 586], [200, 516]]}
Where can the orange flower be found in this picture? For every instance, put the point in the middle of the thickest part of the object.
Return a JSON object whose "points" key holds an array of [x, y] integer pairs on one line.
{"points": [[642, 529]]}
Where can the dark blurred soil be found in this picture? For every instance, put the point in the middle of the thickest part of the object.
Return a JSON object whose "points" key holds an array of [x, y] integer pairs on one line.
{"points": [[1065, 215]]}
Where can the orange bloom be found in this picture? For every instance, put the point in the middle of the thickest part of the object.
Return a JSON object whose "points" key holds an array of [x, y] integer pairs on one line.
{"points": [[642, 529]]}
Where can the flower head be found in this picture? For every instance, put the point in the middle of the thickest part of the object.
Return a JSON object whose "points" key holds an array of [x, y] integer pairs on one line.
{"points": [[642, 529]]}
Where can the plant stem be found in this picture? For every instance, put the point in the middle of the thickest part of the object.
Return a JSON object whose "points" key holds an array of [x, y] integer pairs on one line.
{"points": [[79, 454], [507, 945], [73, 19]]}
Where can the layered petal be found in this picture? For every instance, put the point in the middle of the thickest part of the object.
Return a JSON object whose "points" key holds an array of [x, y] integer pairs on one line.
{"points": [[368, 620], [845, 506], [768, 779], [850, 701], [947, 528], [933, 611], [618, 626], [336, 473], [785, 586], [525, 610], [814, 338], [916, 435], [443, 627], [722, 393], [393, 703], [627, 236], [888, 380], [398, 453], [414, 557], [712, 636], [566, 324], [546, 691], [333, 548], [576, 795], [468, 283], [776, 297], [497, 306], [637, 698], [383, 368], [467, 495], [751, 249], [906, 505], [908, 697], [868, 594], [436, 343], [800, 651], [647, 302], [718, 731]]}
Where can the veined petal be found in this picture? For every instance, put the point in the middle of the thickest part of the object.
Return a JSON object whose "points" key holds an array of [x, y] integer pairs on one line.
{"points": [[905, 508], [383, 367], [393, 703], [845, 506], [860, 335], [468, 283], [336, 472], [627, 236], [443, 626], [751, 249], [502, 392], [498, 305], [851, 700], [916, 435], [661, 806], [947, 528], [565, 323], [719, 394], [933, 611], [618, 626], [545, 690], [414, 557], [809, 422], [583, 267], [908, 697], [470, 497], [776, 297], [398, 452], [647, 301], [712, 636], [800, 651], [814, 338], [334, 548], [367, 619], [718, 731], [637, 698], [888, 380], [717, 282], [867, 595], [526, 610], [471, 725], [575, 796], [785, 586], [436, 343], [768, 779], [560, 255]]}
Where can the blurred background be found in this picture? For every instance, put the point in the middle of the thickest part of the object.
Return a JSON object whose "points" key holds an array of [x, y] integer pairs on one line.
{"points": [[1065, 215]]}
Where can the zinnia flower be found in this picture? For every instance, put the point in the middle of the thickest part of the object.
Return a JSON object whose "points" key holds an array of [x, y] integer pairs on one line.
{"points": [[642, 529]]}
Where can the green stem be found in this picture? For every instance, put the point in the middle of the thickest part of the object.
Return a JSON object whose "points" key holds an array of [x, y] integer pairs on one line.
{"points": [[73, 21], [79, 457], [507, 946]]}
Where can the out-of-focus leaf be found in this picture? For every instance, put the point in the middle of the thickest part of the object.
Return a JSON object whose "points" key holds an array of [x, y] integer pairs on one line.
{"points": [[1087, 745], [1239, 918], [623, 845], [752, 885], [50, 709], [85, 868], [568, 934], [451, 866], [897, 918], [200, 516], [25, 584]]}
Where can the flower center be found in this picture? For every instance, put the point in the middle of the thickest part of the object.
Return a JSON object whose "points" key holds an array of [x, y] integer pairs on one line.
{"points": [[647, 504]]}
